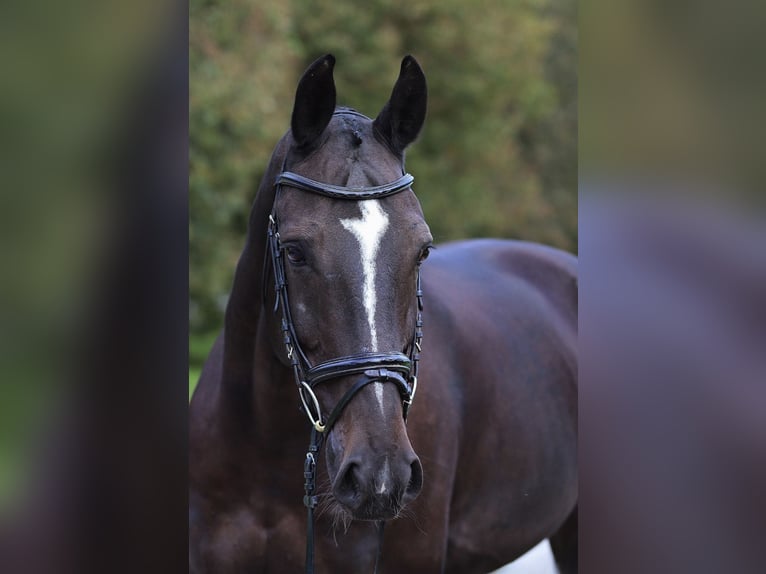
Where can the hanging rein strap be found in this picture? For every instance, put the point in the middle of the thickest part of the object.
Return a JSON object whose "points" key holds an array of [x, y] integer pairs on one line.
{"points": [[396, 368]]}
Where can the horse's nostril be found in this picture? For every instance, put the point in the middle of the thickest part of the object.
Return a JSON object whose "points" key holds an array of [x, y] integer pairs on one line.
{"points": [[415, 483], [350, 480], [347, 488]]}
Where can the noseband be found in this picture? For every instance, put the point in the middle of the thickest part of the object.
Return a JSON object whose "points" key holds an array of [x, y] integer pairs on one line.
{"points": [[394, 367]]}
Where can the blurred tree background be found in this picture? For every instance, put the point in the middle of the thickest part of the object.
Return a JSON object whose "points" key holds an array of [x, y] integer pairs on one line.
{"points": [[497, 156]]}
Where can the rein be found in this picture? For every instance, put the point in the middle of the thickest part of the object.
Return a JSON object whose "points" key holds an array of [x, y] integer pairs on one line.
{"points": [[396, 368]]}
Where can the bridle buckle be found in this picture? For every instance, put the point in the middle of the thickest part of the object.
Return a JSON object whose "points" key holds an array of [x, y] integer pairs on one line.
{"points": [[315, 422]]}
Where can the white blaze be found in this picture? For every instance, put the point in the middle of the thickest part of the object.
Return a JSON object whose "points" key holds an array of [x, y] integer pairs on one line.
{"points": [[369, 231], [381, 488]]}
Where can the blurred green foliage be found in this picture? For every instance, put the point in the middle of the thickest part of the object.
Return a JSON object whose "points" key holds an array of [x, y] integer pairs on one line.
{"points": [[498, 154]]}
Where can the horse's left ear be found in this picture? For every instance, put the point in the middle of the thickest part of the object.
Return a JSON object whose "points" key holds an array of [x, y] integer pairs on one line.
{"points": [[400, 120]]}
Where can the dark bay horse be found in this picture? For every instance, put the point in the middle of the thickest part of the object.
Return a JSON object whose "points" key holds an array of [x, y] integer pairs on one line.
{"points": [[486, 465]]}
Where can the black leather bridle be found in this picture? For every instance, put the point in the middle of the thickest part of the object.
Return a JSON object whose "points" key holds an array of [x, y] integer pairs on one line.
{"points": [[397, 368]]}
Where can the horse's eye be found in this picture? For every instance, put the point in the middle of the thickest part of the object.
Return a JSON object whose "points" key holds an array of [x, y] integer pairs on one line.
{"points": [[295, 255], [424, 253]]}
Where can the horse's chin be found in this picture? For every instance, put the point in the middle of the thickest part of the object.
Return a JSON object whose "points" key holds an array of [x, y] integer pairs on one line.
{"points": [[375, 516], [372, 512]]}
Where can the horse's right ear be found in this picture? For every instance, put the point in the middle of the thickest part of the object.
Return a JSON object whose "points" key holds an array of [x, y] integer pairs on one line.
{"points": [[314, 102], [400, 120]]}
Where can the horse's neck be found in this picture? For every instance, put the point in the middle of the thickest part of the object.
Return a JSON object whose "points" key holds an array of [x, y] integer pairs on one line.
{"points": [[275, 401]]}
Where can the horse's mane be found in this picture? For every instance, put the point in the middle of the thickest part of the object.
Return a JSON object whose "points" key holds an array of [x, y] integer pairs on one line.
{"points": [[242, 316]]}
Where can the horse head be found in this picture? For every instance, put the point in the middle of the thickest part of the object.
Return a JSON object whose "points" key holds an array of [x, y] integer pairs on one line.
{"points": [[350, 269]]}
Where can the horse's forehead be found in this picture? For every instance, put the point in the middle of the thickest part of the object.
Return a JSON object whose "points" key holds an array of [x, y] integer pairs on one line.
{"points": [[351, 155], [319, 217]]}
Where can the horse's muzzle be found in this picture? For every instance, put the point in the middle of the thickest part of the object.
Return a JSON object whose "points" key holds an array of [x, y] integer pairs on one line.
{"points": [[378, 490]]}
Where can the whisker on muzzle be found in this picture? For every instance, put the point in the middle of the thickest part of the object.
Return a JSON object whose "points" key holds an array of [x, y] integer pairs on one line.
{"points": [[326, 504]]}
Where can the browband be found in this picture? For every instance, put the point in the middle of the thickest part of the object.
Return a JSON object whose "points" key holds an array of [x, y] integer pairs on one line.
{"points": [[340, 192]]}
